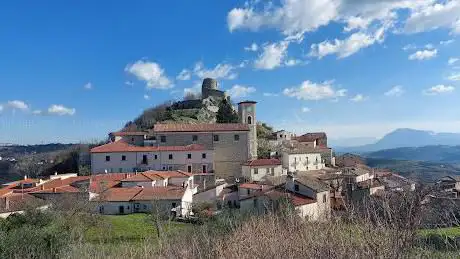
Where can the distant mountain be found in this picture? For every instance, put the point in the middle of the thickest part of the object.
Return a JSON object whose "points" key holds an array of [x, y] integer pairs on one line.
{"points": [[407, 138], [439, 154]]}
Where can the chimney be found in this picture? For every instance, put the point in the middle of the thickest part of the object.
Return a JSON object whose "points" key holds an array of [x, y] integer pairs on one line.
{"points": [[25, 177], [54, 190]]}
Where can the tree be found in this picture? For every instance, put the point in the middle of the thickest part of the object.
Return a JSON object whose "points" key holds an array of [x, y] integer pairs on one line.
{"points": [[226, 114]]}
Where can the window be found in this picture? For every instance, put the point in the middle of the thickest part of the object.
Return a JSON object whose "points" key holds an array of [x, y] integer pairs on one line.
{"points": [[255, 203], [203, 155], [170, 168], [120, 170], [249, 192], [296, 187], [256, 171], [236, 137], [272, 171], [163, 139], [145, 207], [170, 156], [164, 168], [216, 137], [189, 156], [155, 156], [107, 158], [324, 198], [249, 120], [123, 158], [204, 169], [189, 168], [132, 139], [173, 204], [144, 159], [195, 138], [101, 209]]}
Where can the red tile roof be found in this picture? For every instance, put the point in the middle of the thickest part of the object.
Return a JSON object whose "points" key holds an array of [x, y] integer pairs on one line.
{"points": [[310, 137], [129, 133], [171, 174], [159, 193], [263, 162], [120, 146], [253, 186], [143, 177], [216, 127]]}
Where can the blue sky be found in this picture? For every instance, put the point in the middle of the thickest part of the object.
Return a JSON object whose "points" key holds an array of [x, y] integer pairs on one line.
{"points": [[352, 68]]}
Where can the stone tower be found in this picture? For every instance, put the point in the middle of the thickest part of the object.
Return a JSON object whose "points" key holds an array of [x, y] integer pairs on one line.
{"points": [[208, 87], [247, 113]]}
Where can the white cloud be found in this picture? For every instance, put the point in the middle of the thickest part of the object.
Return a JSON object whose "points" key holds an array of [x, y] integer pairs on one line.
{"points": [[409, 47], [314, 91], [150, 72], [220, 71], [347, 47], [434, 16], [146, 97], [1, 108], [129, 83], [185, 74], [438, 89], [253, 47], [239, 91], [292, 17], [446, 42], [358, 98], [195, 89], [305, 109], [424, 54], [88, 86], [429, 46], [16, 104], [37, 112], [453, 61], [272, 56], [270, 94], [454, 77], [395, 91], [57, 109], [293, 62]]}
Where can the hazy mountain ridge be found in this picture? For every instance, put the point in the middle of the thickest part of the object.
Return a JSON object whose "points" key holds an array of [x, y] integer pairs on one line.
{"points": [[402, 138]]}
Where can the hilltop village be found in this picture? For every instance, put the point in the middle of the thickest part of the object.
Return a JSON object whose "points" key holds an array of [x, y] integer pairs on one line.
{"points": [[179, 166]]}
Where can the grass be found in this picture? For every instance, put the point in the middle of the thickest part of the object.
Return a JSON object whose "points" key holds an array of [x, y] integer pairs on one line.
{"points": [[449, 232], [128, 228]]}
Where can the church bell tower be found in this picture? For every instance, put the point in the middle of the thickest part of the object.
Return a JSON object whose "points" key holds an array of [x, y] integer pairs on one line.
{"points": [[247, 113]]}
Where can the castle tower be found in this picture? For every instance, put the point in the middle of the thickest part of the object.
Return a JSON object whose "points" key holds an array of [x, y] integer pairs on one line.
{"points": [[208, 86], [247, 113]]}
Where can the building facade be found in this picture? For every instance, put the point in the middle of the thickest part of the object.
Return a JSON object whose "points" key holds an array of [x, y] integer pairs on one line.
{"points": [[298, 161], [120, 157]]}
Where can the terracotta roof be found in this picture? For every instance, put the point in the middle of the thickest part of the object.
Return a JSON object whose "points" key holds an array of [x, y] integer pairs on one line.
{"points": [[216, 127], [171, 174], [143, 177], [121, 146], [102, 185], [310, 137], [129, 133], [159, 193], [20, 201], [254, 186], [5, 191], [263, 162], [119, 194], [61, 189], [295, 198], [313, 183]]}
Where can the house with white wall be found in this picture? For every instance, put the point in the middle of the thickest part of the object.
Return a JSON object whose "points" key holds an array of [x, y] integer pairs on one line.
{"points": [[301, 160], [309, 197], [122, 157], [258, 169]]}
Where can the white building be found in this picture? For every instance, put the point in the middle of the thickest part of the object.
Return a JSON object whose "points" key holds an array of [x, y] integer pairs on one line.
{"points": [[302, 160], [121, 157], [310, 198], [259, 169]]}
